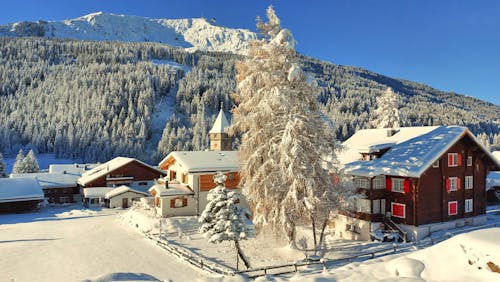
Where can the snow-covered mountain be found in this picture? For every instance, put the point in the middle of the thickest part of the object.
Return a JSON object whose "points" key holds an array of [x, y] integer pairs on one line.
{"points": [[195, 34]]}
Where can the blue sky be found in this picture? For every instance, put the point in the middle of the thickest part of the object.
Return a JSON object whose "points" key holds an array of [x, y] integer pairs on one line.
{"points": [[452, 45]]}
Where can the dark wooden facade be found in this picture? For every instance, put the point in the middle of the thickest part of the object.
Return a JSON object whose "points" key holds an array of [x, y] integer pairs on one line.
{"points": [[61, 194], [427, 198], [19, 206], [126, 174]]}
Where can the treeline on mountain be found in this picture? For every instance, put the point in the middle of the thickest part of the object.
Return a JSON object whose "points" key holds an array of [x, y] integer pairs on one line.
{"points": [[91, 100]]}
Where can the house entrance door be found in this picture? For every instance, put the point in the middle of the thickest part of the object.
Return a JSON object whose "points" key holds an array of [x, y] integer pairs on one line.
{"points": [[125, 203]]}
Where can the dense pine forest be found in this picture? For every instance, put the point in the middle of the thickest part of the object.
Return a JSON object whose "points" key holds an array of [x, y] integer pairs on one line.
{"points": [[91, 101]]}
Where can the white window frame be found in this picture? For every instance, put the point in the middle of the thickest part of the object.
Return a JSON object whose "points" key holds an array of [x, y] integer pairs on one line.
{"points": [[379, 182], [454, 157], [400, 187], [469, 160], [435, 164], [469, 182], [361, 182], [449, 205], [398, 204], [469, 205], [178, 203], [453, 183], [363, 205]]}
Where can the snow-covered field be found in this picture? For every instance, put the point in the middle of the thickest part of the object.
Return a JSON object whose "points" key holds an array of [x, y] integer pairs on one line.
{"points": [[70, 244], [74, 244]]}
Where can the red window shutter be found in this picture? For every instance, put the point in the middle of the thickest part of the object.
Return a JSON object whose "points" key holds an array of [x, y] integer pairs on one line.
{"points": [[450, 159], [459, 184], [388, 184], [398, 210], [184, 202], [406, 185], [459, 159], [452, 208], [447, 184], [172, 203]]}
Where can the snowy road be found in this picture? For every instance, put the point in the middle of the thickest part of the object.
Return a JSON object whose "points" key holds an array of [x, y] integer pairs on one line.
{"points": [[59, 245]]}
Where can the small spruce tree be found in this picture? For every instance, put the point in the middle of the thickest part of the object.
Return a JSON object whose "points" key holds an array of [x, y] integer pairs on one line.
{"points": [[18, 166], [387, 113], [3, 173], [222, 219], [30, 163]]}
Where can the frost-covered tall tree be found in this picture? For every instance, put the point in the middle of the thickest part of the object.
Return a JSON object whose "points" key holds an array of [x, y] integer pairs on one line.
{"points": [[18, 166], [287, 150], [222, 219], [30, 163], [387, 113], [3, 169]]}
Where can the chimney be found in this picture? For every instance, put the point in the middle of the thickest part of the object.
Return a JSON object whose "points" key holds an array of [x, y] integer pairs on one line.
{"points": [[64, 172], [391, 132]]}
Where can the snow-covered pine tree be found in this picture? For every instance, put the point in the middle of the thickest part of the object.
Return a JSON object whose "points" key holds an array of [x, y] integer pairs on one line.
{"points": [[222, 219], [30, 163], [18, 166], [3, 169], [387, 113], [287, 151]]}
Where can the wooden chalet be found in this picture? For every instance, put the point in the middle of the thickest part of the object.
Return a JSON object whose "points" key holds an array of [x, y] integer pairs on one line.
{"points": [[424, 180], [120, 171]]}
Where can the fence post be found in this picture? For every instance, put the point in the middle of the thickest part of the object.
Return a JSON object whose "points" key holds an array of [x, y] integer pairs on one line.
{"points": [[201, 263], [295, 265], [394, 246]]}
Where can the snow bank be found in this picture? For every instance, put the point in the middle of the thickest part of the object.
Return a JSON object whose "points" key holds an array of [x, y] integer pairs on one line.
{"points": [[464, 257], [76, 213]]}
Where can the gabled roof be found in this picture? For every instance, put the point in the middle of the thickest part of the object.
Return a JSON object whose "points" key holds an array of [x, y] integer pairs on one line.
{"points": [[412, 157], [96, 192], [205, 161], [19, 189], [123, 189], [108, 167], [174, 189], [374, 140], [220, 123], [51, 180]]}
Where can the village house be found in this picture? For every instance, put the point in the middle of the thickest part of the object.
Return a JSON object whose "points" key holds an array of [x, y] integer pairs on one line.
{"points": [[190, 174], [19, 194], [98, 182], [59, 183], [415, 180]]}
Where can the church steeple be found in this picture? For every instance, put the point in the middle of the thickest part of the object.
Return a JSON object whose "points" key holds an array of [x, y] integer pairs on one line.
{"points": [[219, 138]]}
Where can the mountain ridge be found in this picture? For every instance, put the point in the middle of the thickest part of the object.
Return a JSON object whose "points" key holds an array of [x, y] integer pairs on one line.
{"points": [[191, 33]]}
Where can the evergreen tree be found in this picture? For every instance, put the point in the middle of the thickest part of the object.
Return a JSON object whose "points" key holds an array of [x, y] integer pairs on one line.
{"points": [[287, 151], [387, 112], [30, 163], [19, 165], [222, 219], [3, 172]]}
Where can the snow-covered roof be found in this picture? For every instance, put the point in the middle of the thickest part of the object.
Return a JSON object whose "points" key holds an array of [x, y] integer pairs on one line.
{"points": [[50, 180], [19, 189], [174, 188], [108, 167], [123, 189], [412, 157], [96, 192], [220, 123], [71, 168], [374, 140], [493, 179], [496, 154], [205, 161]]}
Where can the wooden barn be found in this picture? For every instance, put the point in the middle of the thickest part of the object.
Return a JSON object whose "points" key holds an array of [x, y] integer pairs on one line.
{"points": [[19, 194], [120, 171], [424, 180]]}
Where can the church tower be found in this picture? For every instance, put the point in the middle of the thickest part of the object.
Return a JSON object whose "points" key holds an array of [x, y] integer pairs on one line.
{"points": [[219, 139]]}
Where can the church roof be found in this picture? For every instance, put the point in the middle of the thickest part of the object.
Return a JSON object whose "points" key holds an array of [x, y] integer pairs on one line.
{"points": [[220, 123]]}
